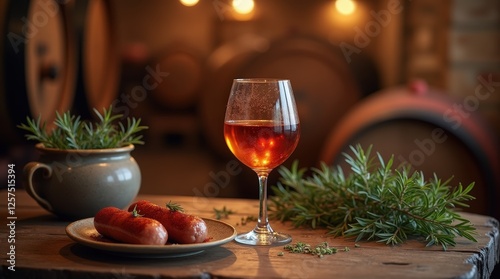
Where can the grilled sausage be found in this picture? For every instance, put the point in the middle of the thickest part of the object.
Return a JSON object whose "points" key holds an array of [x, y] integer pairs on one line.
{"points": [[128, 227], [182, 228]]}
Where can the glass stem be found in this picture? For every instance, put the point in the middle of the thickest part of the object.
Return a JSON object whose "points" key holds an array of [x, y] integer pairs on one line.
{"points": [[263, 222]]}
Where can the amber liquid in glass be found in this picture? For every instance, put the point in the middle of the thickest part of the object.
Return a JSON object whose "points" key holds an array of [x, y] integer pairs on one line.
{"points": [[261, 144]]}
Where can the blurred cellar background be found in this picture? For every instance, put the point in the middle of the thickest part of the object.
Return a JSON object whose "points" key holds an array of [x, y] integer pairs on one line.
{"points": [[418, 79]]}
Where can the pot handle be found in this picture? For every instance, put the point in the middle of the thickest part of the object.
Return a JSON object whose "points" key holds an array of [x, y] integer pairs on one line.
{"points": [[29, 169]]}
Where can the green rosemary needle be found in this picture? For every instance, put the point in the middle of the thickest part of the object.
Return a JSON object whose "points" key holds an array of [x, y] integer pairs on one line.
{"points": [[71, 132], [222, 213], [374, 202]]}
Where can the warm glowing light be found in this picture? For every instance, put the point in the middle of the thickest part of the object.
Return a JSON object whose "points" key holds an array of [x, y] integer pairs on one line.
{"points": [[189, 3], [243, 6], [345, 7]]}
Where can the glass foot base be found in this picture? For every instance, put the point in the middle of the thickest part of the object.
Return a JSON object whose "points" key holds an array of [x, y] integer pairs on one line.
{"points": [[268, 238]]}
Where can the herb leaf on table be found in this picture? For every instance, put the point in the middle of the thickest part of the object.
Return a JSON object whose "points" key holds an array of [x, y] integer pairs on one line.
{"points": [[375, 202]]}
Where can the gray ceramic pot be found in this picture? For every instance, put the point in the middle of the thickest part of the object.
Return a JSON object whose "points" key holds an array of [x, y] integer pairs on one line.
{"points": [[74, 184]]}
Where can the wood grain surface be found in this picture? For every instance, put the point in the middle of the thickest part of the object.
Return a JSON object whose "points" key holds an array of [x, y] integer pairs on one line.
{"points": [[43, 250]]}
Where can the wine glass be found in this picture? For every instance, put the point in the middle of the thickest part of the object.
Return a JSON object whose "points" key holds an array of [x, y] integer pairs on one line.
{"points": [[261, 128]]}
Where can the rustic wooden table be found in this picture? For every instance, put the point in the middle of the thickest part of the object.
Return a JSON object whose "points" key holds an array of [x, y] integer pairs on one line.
{"points": [[43, 250]]}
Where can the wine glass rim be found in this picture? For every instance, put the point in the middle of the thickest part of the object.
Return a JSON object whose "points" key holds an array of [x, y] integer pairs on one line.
{"points": [[261, 80]]}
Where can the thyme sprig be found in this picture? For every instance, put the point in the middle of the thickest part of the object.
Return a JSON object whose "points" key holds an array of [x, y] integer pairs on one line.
{"points": [[374, 202], [71, 132]]}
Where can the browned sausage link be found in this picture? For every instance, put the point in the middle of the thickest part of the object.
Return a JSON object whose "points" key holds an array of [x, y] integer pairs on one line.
{"points": [[123, 226], [182, 228]]}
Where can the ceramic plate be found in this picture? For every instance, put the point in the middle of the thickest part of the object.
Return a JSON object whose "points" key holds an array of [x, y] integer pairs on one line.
{"points": [[84, 232]]}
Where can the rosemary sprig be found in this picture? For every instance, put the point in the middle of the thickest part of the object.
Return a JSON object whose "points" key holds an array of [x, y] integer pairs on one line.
{"points": [[374, 202], [174, 207], [245, 220], [71, 132], [135, 212], [223, 213]]}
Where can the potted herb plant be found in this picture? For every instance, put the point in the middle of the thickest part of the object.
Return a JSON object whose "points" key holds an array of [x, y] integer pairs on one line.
{"points": [[83, 165]]}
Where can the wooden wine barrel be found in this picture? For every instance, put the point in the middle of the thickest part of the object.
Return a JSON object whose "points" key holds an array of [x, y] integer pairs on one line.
{"points": [[98, 74], [180, 89], [38, 67], [323, 86], [429, 130]]}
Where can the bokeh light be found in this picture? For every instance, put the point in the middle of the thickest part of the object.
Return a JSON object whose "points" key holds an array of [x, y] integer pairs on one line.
{"points": [[189, 3], [345, 7], [243, 6]]}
